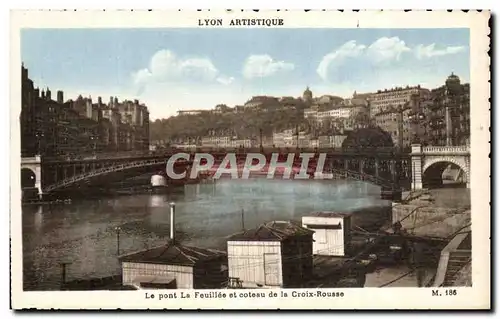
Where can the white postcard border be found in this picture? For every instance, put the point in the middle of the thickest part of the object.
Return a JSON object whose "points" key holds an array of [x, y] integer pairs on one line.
{"points": [[477, 296]]}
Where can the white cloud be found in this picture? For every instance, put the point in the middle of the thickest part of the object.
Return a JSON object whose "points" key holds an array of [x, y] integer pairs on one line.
{"points": [[142, 76], [382, 50], [264, 66], [225, 80], [386, 49], [347, 50], [376, 55], [429, 51], [166, 66]]}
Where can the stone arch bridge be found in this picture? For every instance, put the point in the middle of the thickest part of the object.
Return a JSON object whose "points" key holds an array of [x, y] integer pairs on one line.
{"points": [[391, 170], [429, 163]]}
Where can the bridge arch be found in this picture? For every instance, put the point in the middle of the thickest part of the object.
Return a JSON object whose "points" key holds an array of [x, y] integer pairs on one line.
{"points": [[28, 178], [433, 169], [133, 168]]}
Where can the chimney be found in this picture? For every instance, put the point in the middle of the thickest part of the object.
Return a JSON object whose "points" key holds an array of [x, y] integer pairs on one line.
{"points": [[24, 72], [60, 97], [48, 94], [172, 222]]}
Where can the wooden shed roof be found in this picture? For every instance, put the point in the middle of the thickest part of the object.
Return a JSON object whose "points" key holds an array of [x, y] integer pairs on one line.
{"points": [[272, 231], [329, 214], [172, 254]]}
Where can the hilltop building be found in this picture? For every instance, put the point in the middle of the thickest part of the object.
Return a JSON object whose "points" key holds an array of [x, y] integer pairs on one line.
{"points": [[383, 100], [447, 115]]}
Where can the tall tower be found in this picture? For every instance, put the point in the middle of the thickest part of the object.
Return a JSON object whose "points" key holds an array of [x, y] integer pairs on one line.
{"points": [[453, 92], [88, 107]]}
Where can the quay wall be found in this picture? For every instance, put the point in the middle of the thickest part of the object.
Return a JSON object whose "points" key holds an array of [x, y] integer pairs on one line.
{"points": [[370, 218], [430, 221]]}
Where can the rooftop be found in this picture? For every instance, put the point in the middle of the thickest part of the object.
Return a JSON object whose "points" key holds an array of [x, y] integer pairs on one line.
{"points": [[329, 214], [272, 231], [172, 254]]}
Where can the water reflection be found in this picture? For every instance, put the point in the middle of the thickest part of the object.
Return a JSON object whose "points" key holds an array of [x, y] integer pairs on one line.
{"points": [[157, 200], [38, 220], [83, 232]]}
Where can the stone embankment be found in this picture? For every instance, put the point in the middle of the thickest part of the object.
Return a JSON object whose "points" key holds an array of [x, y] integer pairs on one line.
{"points": [[446, 214], [439, 213]]}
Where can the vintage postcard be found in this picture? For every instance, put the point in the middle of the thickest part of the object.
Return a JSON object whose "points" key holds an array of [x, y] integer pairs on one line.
{"points": [[250, 159]]}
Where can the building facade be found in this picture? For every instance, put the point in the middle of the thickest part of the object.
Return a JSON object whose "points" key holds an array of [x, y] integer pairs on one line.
{"points": [[332, 232], [175, 266], [384, 100], [447, 114], [63, 128]]}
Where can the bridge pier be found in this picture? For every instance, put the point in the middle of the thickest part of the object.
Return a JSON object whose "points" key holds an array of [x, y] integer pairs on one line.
{"points": [[35, 165], [416, 166]]}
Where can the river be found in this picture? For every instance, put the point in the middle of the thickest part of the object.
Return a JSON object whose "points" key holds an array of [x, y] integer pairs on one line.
{"points": [[83, 233]]}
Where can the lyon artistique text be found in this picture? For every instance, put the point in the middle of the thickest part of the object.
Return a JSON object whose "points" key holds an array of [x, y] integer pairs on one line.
{"points": [[240, 22]]}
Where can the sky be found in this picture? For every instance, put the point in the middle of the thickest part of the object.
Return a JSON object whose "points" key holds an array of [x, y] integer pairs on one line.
{"points": [[177, 69]]}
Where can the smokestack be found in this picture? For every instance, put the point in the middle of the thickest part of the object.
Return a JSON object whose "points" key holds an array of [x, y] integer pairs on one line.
{"points": [[172, 222]]}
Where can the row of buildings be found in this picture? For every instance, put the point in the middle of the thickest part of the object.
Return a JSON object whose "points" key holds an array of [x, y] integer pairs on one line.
{"points": [[439, 116], [55, 127], [287, 138]]}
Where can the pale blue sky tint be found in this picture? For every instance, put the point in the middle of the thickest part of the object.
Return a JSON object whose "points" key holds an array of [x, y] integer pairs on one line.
{"points": [[172, 69]]}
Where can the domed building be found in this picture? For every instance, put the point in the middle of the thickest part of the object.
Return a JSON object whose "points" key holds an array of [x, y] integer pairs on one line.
{"points": [[452, 79], [452, 84], [307, 96], [369, 137]]}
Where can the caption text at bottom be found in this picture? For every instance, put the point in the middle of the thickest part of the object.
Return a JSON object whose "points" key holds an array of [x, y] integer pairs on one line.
{"points": [[224, 295]]}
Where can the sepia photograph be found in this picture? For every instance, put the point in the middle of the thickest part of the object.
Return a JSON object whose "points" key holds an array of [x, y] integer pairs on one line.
{"points": [[232, 151]]}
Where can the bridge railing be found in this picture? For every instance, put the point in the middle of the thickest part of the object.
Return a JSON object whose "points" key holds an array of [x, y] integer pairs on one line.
{"points": [[240, 151], [284, 149], [445, 149], [97, 156]]}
